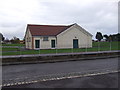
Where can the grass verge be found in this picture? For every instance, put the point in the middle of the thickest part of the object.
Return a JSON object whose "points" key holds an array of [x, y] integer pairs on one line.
{"points": [[104, 46]]}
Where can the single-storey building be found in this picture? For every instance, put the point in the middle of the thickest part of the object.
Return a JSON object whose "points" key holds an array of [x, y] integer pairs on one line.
{"points": [[57, 36]]}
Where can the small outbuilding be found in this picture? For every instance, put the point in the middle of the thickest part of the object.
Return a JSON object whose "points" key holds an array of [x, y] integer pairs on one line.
{"points": [[57, 36]]}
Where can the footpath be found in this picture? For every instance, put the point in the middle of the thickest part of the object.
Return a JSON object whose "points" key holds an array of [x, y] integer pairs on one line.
{"points": [[57, 57]]}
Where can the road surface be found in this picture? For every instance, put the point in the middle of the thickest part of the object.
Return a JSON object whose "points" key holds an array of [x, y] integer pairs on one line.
{"points": [[97, 81], [31, 73]]}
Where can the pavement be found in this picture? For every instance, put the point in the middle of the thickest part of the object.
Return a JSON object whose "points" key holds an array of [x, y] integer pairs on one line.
{"points": [[58, 54], [14, 75], [60, 57]]}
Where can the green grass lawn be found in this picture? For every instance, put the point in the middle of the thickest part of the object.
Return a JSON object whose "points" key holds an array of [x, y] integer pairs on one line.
{"points": [[13, 44], [104, 46], [10, 49]]}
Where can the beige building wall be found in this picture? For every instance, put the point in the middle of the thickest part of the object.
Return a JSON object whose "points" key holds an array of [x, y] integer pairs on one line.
{"points": [[44, 44], [65, 39], [28, 40]]}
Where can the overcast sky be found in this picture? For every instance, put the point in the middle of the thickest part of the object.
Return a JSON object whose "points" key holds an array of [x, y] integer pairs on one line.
{"points": [[93, 15]]}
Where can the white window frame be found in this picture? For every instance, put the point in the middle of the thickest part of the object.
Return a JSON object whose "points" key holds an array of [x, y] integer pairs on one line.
{"points": [[45, 38]]}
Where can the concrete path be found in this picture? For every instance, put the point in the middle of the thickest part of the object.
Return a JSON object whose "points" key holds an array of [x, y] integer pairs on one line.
{"points": [[57, 54]]}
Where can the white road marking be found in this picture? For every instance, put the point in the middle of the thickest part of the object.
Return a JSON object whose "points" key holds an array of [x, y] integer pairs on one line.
{"points": [[19, 83], [34, 81], [108, 69], [75, 76], [12, 84]]}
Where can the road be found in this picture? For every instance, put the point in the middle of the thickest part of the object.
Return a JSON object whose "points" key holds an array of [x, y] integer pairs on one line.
{"points": [[98, 81], [31, 73]]}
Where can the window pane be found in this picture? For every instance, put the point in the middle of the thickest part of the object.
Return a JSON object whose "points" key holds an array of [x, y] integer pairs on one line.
{"points": [[45, 38]]}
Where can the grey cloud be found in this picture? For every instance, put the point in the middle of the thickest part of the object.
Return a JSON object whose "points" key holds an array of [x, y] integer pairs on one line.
{"points": [[9, 25], [91, 16], [17, 31], [100, 15]]}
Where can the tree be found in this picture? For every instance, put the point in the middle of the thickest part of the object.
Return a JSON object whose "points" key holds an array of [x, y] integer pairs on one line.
{"points": [[115, 37], [1, 37], [111, 38], [99, 36], [118, 36], [15, 40], [24, 41], [6, 40], [106, 37]]}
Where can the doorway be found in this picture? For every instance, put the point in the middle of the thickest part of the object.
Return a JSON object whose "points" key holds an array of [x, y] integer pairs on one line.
{"points": [[52, 43], [75, 43], [37, 43]]}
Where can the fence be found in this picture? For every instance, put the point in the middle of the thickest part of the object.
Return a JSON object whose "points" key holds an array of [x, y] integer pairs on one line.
{"points": [[96, 47], [0, 67]]}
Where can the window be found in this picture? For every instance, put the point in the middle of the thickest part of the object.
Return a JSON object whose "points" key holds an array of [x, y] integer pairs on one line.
{"points": [[45, 38], [29, 39]]}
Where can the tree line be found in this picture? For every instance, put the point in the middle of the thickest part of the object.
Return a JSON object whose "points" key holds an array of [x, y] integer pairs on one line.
{"points": [[99, 37], [113, 37], [14, 40]]}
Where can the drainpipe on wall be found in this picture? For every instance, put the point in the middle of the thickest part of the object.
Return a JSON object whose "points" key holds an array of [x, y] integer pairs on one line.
{"points": [[87, 43], [39, 47], [32, 42], [56, 45]]}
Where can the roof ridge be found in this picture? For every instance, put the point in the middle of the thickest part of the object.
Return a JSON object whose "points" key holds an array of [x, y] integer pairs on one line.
{"points": [[37, 29], [48, 25]]}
